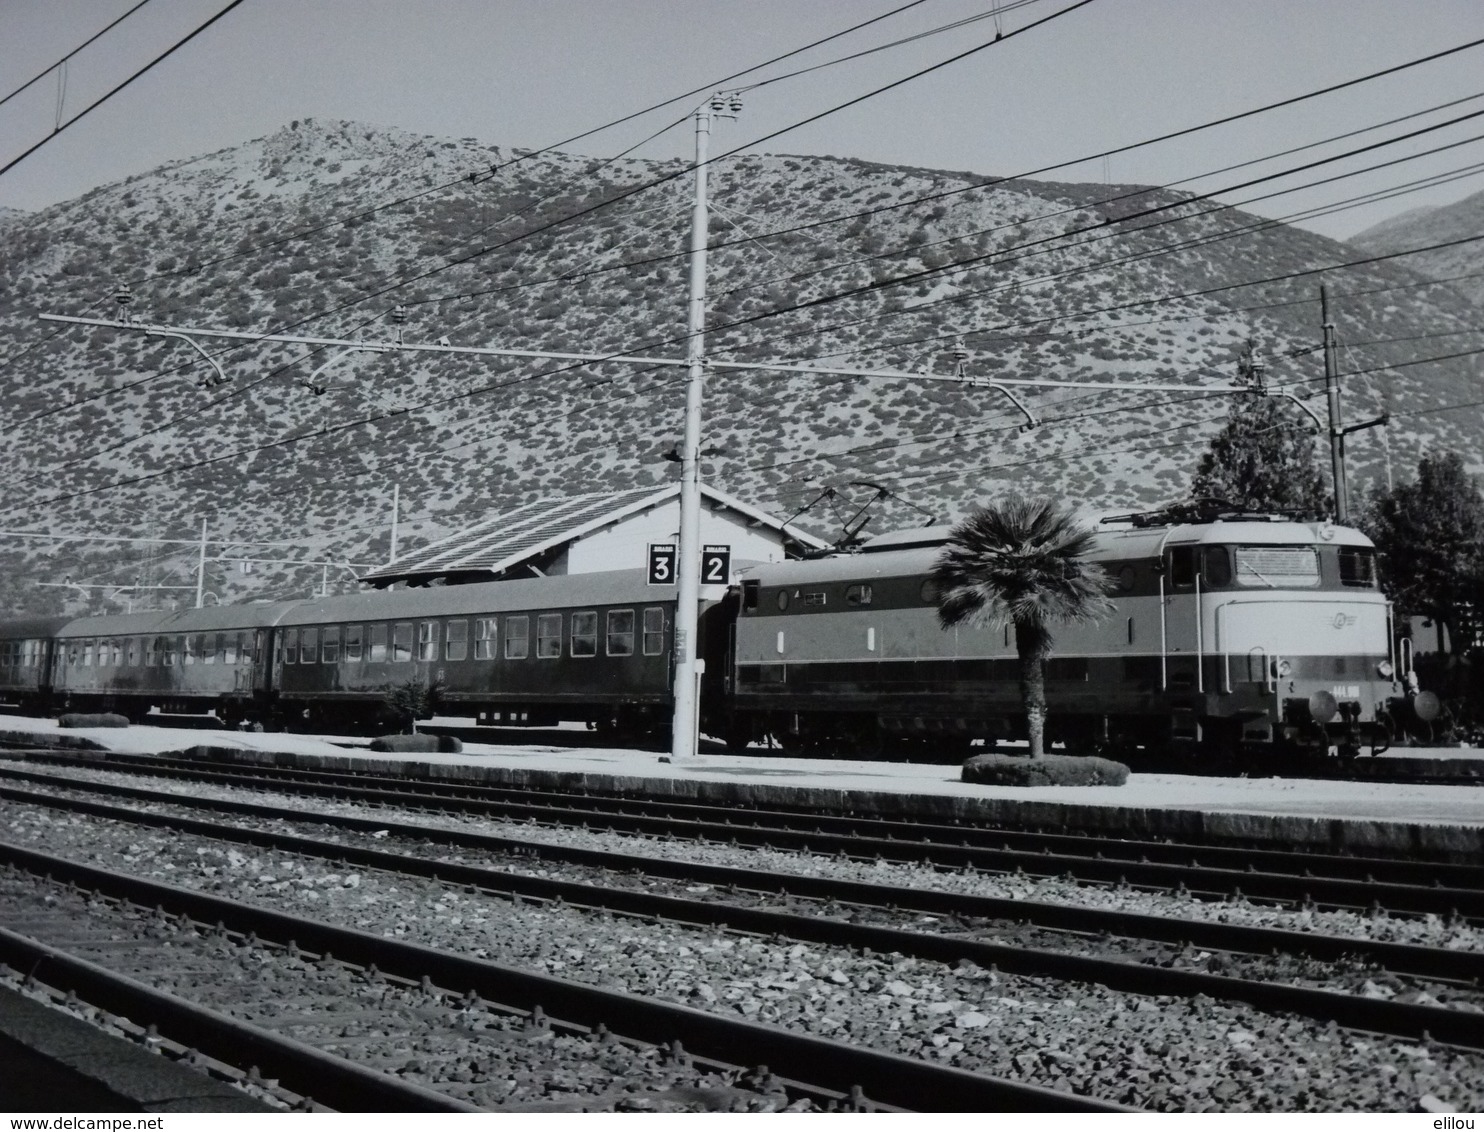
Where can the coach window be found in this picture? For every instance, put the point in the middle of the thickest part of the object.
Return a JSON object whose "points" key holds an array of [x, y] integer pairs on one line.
{"points": [[654, 631], [858, 594], [87, 653], [401, 642], [330, 647], [486, 634], [427, 640], [229, 648], [308, 646], [211, 646], [250, 647], [353, 642], [620, 632], [151, 651], [378, 645], [585, 633], [173, 646], [1218, 566], [291, 646], [458, 640], [548, 636], [517, 637]]}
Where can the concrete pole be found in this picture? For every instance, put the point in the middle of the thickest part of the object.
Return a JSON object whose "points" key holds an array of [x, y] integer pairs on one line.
{"points": [[684, 728], [1332, 394], [396, 507], [201, 569]]}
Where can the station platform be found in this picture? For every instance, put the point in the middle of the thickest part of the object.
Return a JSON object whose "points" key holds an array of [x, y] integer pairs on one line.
{"points": [[1382, 818]]}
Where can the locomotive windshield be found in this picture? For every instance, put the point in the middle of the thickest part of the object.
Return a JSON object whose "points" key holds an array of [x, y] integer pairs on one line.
{"points": [[1276, 567]]}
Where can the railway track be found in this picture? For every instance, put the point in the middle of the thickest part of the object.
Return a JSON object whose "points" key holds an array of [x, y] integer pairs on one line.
{"points": [[714, 1053], [831, 911], [1294, 878]]}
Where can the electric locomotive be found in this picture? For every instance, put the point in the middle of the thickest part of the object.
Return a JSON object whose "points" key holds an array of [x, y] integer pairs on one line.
{"points": [[1248, 633]]}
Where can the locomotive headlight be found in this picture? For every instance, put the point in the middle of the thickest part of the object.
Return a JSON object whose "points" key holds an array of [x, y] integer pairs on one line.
{"points": [[1385, 669], [1285, 667]]}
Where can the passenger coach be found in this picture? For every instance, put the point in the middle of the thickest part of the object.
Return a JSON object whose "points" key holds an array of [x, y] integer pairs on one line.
{"points": [[590, 648]]}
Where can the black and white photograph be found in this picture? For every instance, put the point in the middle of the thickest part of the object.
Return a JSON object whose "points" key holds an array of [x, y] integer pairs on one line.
{"points": [[568, 557]]}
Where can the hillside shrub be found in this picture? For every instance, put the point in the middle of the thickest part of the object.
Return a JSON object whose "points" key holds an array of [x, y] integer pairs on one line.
{"points": [[1051, 770], [92, 719]]}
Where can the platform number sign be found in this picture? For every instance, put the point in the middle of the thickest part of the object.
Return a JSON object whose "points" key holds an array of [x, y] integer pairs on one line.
{"points": [[661, 564], [716, 564]]}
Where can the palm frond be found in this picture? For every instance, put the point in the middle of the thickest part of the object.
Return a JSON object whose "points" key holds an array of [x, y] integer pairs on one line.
{"points": [[1020, 562]]}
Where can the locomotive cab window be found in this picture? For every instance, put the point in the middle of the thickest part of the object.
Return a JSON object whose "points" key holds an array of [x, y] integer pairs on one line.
{"points": [[1275, 567], [1181, 565], [1217, 566], [749, 595], [1358, 566], [858, 594]]}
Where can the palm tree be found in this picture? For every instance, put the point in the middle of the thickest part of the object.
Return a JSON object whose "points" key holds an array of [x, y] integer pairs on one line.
{"points": [[1022, 563]]}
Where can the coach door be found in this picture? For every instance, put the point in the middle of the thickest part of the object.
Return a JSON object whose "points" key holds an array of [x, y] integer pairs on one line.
{"points": [[1181, 629]]}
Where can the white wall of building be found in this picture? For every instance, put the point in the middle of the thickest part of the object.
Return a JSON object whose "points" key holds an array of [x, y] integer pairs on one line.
{"points": [[624, 545]]}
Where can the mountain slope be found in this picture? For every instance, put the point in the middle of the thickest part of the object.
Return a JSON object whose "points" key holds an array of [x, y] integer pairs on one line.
{"points": [[1424, 227], [1057, 280]]}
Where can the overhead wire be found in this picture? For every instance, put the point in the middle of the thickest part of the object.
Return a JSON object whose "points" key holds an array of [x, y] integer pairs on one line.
{"points": [[816, 117], [160, 58], [75, 51], [364, 214]]}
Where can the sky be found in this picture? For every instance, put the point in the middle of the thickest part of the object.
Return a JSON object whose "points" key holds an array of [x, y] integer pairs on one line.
{"points": [[531, 73]]}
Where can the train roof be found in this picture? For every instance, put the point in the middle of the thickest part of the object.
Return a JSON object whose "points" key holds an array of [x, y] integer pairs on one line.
{"points": [[210, 618], [607, 587], [24, 627], [913, 552]]}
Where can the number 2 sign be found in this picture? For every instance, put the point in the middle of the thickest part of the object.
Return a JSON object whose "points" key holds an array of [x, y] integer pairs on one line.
{"points": [[716, 564]]}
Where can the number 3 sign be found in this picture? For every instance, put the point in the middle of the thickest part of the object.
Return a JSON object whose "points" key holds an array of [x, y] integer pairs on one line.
{"points": [[661, 564]]}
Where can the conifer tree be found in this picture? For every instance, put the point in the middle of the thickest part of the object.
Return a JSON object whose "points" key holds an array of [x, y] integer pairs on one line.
{"points": [[1264, 460]]}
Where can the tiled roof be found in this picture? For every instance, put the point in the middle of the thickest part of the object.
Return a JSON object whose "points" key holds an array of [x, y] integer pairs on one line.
{"points": [[505, 541]]}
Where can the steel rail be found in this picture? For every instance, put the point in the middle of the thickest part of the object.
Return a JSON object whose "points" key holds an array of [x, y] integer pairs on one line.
{"points": [[1324, 891], [1379, 1015], [555, 805], [329, 1080], [1401, 958], [887, 1078]]}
